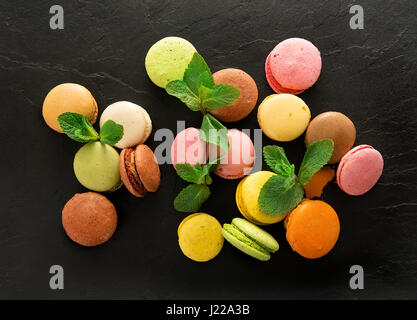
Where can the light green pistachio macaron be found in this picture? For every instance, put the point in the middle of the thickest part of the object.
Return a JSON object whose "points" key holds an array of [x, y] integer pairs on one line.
{"points": [[250, 239], [167, 60], [96, 166]]}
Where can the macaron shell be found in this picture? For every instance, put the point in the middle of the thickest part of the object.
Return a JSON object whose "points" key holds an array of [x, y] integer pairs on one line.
{"points": [[125, 177], [68, 97], [96, 166], [359, 170], [335, 126], [295, 63], [274, 84], [246, 102], [312, 228], [89, 219], [147, 168], [283, 117], [137, 124], [188, 147], [240, 158], [200, 237], [244, 244], [252, 231], [247, 194], [167, 60]]}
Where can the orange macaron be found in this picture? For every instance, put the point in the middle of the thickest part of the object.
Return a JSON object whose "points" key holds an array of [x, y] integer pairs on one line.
{"points": [[312, 228]]}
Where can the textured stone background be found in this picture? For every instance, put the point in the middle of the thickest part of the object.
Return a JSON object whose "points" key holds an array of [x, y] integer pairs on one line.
{"points": [[369, 74]]}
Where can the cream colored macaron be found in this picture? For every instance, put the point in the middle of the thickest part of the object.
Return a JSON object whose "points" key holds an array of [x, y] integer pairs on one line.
{"points": [[137, 124], [283, 117]]}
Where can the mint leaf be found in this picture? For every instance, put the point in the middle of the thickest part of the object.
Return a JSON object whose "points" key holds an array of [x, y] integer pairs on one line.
{"points": [[220, 96], [189, 173], [179, 89], [77, 127], [316, 156], [280, 195], [214, 132], [206, 79], [111, 132], [195, 68], [191, 198], [277, 160]]}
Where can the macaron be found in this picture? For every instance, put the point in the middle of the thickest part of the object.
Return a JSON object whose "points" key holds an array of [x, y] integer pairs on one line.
{"points": [[250, 239], [293, 66], [248, 97], [96, 167], [139, 170], [167, 60], [283, 117], [68, 97], [247, 193], [200, 237], [187, 147], [359, 170], [137, 124], [312, 228], [239, 160], [89, 219], [320, 179], [335, 126]]}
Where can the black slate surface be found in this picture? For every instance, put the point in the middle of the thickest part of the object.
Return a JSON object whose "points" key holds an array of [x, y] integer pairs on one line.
{"points": [[368, 74]]}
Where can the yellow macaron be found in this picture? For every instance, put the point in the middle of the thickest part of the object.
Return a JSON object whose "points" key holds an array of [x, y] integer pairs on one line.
{"points": [[283, 117], [200, 237], [247, 194]]}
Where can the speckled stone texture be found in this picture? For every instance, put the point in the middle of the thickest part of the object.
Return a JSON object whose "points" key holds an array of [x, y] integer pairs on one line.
{"points": [[369, 75]]}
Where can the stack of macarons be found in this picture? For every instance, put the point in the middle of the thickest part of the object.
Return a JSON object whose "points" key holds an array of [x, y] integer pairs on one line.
{"points": [[89, 218]]}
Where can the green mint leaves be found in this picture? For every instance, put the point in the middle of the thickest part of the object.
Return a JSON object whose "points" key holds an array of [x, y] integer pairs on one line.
{"points": [[199, 93], [191, 198], [214, 132], [197, 89], [316, 156], [111, 132], [77, 127], [284, 191]]}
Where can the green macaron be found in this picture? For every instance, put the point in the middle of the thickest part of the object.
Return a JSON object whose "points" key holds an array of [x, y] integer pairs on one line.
{"points": [[250, 239], [96, 166], [167, 60]]}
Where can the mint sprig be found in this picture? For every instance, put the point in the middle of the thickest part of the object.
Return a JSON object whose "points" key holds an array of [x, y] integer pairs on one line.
{"points": [[284, 191], [198, 92], [192, 197], [77, 127], [111, 132], [213, 131]]}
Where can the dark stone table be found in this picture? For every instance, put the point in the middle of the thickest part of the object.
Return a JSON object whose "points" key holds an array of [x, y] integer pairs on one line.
{"points": [[368, 74]]}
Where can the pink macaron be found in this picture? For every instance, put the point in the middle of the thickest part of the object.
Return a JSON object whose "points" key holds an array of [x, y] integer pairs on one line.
{"points": [[240, 158], [359, 170], [293, 66], [188, 147]]}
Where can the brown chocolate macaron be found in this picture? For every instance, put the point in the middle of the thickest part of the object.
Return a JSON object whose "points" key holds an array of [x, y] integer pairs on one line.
{"points": [[139, 170], [247, 98], [336, 126], [89, 219]]}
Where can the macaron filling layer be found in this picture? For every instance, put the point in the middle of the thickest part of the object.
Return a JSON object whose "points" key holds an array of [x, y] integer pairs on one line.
{"points": [[132, 174], [239, 235]]}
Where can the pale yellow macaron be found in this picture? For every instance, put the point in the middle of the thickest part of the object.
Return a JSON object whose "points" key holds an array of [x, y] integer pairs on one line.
{"points": [[283, 117], [247, 194], [200, 237], [136, 122]]}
